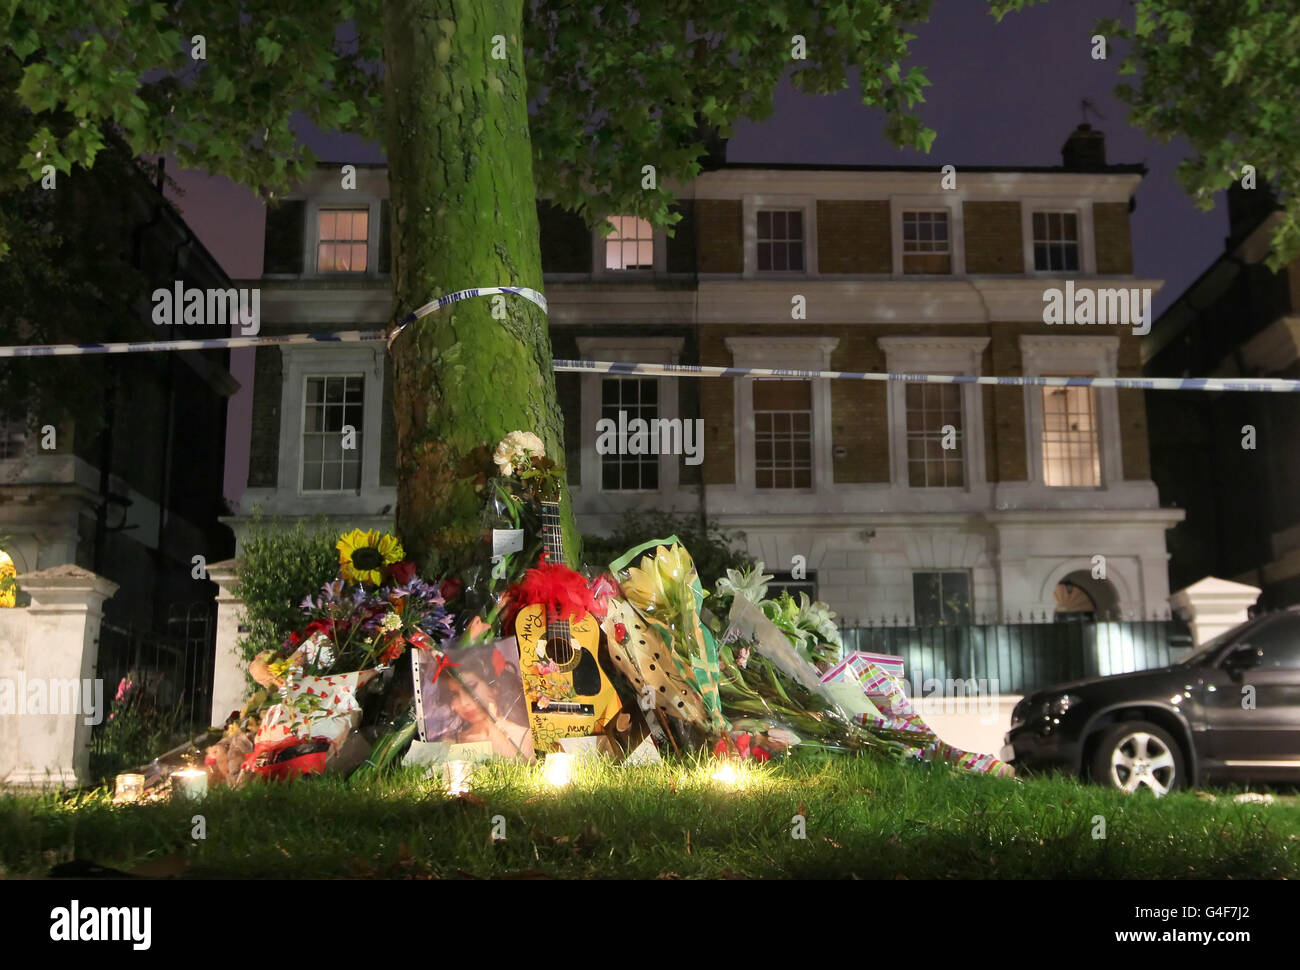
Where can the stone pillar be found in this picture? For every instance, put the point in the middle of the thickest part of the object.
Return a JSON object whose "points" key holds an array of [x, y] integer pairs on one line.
{"points": [[229, 684], [1212, 605], [57, 699]]}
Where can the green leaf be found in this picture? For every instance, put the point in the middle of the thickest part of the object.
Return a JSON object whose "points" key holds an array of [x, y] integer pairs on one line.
{"points": [[223, 92], [269, 49]]}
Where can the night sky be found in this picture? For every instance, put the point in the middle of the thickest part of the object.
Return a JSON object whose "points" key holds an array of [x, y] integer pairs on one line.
{"points": [[1001, 94]]}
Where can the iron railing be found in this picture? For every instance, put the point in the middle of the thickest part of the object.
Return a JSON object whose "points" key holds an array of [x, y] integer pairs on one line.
{"points": [[1023, 657], [178, 662]]}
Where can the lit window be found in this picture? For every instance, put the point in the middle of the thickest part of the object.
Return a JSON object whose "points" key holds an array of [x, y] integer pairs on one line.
{"points": [[330, 404], [941, 599], [343, 239], [780, 240], [638, 397], [782, 433], [630, 245], [926, 246], [1056, 241], [1070, 447], [930, 409]]}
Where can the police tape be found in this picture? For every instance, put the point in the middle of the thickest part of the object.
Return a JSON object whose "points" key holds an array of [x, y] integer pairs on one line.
{"points": [[435, 305], [1259, 384], [1273, 384]]}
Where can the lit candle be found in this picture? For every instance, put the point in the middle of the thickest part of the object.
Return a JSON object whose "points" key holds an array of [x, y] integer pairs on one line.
{"points": [[726, 774], [558, 767], [456, 775], [128, 786], [191, 783]]}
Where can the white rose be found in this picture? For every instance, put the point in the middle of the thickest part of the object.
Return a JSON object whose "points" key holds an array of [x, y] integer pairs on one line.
{"points": [[515, 451], [504, 458]]}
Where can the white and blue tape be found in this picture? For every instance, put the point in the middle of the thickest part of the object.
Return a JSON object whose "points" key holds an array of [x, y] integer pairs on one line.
{"points": [[1258, 384]]}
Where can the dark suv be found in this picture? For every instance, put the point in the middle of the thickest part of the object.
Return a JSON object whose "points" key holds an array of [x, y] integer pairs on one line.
{"points": [[1228, 712]]}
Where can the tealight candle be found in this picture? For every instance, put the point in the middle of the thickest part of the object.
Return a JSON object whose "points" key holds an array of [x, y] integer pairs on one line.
{"points": [[726, 774], [191, 783], [558, 768], [128, 786], [456, 775]]}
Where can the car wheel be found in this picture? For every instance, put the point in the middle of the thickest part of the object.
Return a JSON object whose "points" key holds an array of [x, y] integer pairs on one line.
{"points": [[1136, 755]]}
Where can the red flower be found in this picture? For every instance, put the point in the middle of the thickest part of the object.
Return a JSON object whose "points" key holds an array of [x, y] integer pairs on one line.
{"points": [[326, 627], [393, 650], [402, 573], [498, 662], [450, 588], [745, 747], [620, 633], [603, 589]]}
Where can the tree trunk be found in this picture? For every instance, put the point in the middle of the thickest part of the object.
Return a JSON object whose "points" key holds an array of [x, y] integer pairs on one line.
{"points": [[464, 213]]}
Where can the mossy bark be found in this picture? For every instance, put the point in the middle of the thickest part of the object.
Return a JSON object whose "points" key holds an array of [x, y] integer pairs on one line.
{"points": [[464, 215]]}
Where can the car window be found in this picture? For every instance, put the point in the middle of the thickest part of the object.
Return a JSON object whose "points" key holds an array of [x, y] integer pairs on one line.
{"points": [[1207, 650], [1280, 641]]}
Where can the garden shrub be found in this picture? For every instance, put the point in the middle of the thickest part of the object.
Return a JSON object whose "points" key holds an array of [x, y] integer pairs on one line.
{"points": [[276, 569]]}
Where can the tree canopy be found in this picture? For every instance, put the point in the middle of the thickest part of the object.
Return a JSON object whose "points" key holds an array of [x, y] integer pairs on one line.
{"points": [[612, 88], [1225, 77]]}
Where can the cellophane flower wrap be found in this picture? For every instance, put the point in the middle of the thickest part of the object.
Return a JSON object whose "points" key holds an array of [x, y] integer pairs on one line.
{"points": [[767, 678], [658, 580]]}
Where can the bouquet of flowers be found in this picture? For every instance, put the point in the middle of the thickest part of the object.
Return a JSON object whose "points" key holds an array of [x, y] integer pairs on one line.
{"points": [[368, 616], [662, 588]]}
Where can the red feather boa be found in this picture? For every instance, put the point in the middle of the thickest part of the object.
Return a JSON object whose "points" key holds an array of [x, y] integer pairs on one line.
{"points": [[561, 590]]}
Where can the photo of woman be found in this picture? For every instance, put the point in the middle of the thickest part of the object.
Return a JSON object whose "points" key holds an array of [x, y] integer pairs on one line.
{"points": [[480, 699]]}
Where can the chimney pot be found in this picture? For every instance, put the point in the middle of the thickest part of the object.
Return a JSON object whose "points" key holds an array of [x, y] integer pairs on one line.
{"points": [[1084, 150]]}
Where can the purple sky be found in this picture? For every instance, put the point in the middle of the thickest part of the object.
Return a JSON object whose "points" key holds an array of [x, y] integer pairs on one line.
{"points": [[1001, 94]]}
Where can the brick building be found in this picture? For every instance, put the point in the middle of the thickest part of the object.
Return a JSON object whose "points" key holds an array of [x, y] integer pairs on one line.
{"points": [[944, 503]]}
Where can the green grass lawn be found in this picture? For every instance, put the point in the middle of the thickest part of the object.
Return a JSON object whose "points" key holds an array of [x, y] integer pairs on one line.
{"points": [[865, 818]]}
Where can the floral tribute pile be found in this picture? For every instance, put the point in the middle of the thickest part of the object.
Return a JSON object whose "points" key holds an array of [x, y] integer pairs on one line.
{"points": [[356, 627], [729, 671]]}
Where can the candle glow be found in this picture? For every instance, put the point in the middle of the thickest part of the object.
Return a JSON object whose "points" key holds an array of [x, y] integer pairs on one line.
{"points": [[456, 776], [558, 768]]}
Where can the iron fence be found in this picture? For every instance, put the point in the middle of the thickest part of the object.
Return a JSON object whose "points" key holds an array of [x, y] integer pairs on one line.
{"points": [[1023, 657], [178, 663]]}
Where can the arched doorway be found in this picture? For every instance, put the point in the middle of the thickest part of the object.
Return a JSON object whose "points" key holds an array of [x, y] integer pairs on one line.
{"points": [[1080, 598]]}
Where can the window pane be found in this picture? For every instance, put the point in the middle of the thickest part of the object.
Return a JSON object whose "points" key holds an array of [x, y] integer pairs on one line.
{"points": [[782, 433], [636, 398], [1071, 454], [352, 475]]}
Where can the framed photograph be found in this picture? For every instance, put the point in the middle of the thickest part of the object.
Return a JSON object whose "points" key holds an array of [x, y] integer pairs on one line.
{"points": [[473, 697]]}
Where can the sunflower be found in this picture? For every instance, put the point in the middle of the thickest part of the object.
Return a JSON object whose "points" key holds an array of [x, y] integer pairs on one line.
{"points": [[363, 555]]}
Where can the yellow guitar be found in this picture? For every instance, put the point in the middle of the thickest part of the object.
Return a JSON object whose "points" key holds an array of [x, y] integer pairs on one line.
{"points": [[569, 693]]}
